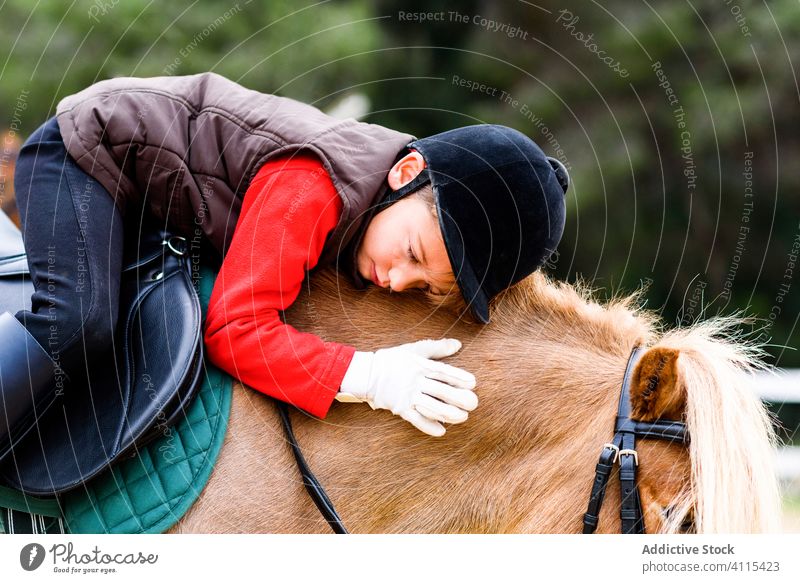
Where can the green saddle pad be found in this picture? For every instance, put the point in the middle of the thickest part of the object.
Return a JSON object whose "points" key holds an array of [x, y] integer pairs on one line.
{"points": [[150, 491]]}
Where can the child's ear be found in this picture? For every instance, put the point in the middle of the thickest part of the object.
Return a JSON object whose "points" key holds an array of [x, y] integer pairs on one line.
{"points": [[405, 170], [657, 390]]}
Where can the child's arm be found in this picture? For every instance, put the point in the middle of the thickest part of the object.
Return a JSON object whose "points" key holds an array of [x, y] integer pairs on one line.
{"points": [[287, 212]]}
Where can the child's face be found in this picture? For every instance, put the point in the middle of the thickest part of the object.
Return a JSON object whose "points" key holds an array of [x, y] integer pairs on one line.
{"points": [[403, 247], [394, 244]]}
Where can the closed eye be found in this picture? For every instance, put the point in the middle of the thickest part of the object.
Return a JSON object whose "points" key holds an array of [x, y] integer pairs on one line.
{"points": [[411, 255], [413, 258]]}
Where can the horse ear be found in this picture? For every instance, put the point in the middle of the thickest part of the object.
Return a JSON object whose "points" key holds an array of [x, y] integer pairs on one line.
{"points": [[656, 390]]}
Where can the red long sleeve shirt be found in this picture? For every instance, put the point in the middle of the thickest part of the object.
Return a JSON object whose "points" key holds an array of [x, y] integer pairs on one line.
{"points": [[287, 212]]}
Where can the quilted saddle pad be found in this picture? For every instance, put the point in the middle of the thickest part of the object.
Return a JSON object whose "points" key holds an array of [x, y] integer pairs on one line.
{"points": [[150, 491]]}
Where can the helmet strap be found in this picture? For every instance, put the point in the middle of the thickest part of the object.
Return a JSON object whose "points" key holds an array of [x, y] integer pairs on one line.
{"points": [[416, 183]]}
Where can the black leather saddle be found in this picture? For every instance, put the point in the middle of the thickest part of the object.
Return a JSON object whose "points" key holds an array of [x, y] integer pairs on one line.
{"points": [[131, 393]]}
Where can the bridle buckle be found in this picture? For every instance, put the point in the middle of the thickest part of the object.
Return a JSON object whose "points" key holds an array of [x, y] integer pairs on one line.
{"points": [[630, 452], [613, 447]]}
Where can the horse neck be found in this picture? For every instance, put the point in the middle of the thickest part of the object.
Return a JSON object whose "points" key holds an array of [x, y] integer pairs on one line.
{"points": [[554, 359], [551, 368]]}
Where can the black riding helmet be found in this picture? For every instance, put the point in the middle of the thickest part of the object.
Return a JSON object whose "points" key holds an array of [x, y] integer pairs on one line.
{"points": [[500, 203]]}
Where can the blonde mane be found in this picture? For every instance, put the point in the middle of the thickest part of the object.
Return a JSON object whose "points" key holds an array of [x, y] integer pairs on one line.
{"points": [[734, 486]]}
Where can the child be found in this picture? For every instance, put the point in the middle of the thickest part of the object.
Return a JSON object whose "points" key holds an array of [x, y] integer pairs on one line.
{"points": [[203, 155]]}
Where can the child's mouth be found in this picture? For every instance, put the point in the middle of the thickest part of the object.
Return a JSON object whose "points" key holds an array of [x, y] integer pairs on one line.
{"points": [[375, 276]]}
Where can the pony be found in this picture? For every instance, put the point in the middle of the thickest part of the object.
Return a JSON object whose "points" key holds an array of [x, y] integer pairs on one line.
{"points": [[549, 368]]}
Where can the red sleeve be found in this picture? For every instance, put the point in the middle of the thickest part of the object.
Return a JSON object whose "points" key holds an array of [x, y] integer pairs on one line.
{"points": [[287, 212]]}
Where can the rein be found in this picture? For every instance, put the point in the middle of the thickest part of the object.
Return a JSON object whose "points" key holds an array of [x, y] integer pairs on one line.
{"points": [[313, 487], [623, 449]]}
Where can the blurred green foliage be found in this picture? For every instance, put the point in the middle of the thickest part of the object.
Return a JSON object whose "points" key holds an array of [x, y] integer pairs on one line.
{"points": [[634, 215]]}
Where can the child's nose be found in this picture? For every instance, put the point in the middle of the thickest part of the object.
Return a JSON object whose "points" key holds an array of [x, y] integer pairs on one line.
{"points": [[401, 279], [398, 283]]}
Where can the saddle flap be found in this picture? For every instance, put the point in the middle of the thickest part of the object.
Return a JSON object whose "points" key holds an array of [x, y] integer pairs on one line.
{"points": [[161, 337], [151, 368]]}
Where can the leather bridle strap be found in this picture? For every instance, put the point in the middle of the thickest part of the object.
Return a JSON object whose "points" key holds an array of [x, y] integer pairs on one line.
{"points": [[631, 509], [623, 449], [602, 473], [313, 487]]}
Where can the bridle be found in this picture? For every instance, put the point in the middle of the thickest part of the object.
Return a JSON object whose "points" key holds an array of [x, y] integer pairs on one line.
{"points": [[623, 449]]}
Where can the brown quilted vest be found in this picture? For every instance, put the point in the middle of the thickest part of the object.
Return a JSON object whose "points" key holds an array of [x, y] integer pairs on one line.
{"points": [[186, 148]]}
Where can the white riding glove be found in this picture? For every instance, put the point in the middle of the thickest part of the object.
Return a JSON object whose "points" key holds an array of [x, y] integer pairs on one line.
{"points": [[404, 380]]}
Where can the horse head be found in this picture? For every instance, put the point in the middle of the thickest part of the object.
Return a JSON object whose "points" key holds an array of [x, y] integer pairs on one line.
{"points": [[657, 392], [702, 375]]}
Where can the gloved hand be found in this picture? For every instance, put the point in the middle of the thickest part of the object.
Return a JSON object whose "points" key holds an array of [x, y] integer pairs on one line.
{"points": [[405, 380]]}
